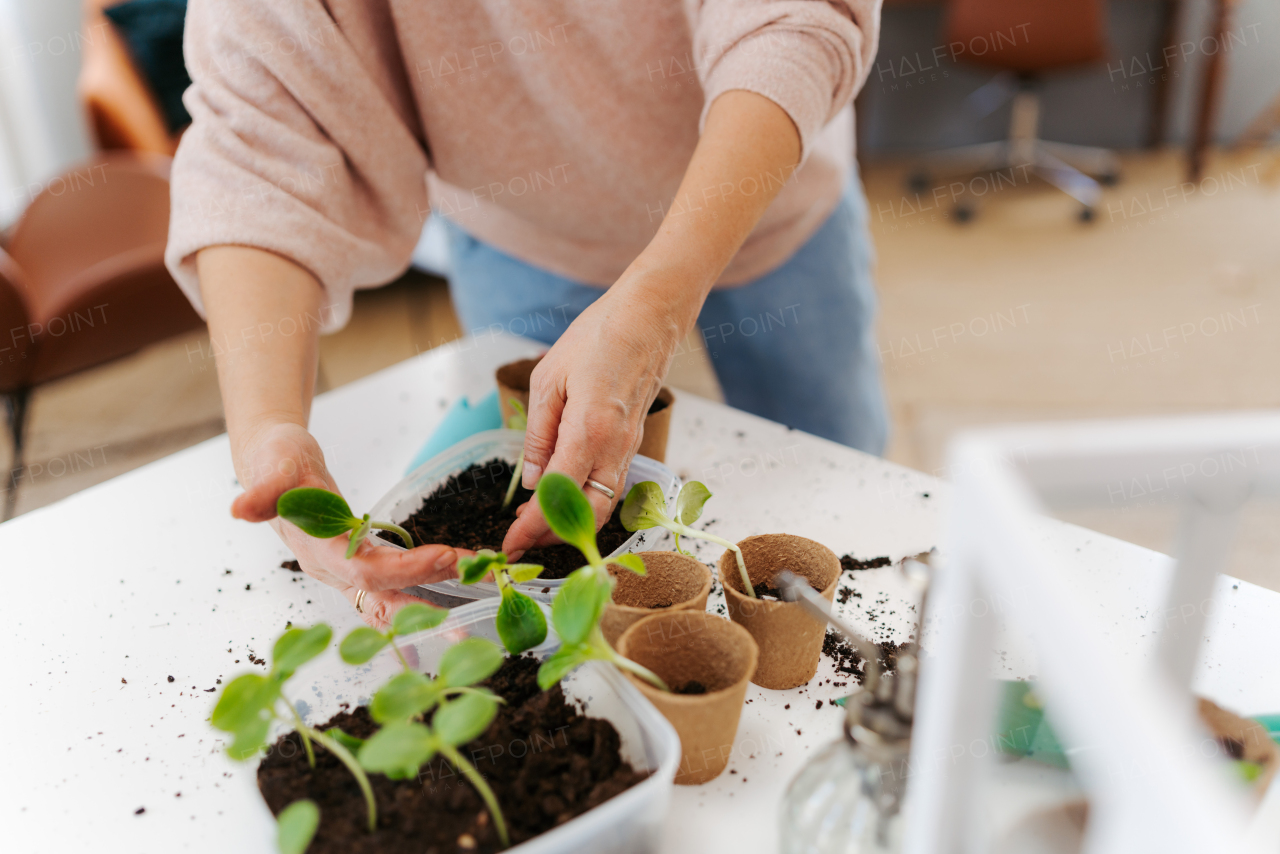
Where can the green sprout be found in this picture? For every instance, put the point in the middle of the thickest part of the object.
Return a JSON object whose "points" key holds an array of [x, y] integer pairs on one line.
{"points": [[249, 704], [520, 622], [645, 507], [462, 712], [324, 514], [577, 608], [296, 825], [364, 643], [519, 421]]}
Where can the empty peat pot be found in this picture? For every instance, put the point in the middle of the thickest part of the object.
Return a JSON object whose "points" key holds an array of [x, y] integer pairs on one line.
{"points": [[694, 649], [790, 640], [674, 582], [513, 381]]}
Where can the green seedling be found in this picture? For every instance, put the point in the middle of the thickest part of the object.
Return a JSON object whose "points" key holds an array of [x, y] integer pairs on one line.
{"points": [[577, 608], [249, 704], [324, 514], [364, 643], [296, 825], [462, 712], [520, 622], [519, 421], [645, 507]]}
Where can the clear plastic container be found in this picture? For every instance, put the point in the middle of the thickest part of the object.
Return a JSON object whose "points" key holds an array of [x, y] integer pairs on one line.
{"points": [[629, 823], [407, 495]]}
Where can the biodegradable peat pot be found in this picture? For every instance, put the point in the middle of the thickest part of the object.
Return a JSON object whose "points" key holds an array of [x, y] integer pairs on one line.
{"points": [[685, 647], [674, 582], [790, 639], [513, 381]]}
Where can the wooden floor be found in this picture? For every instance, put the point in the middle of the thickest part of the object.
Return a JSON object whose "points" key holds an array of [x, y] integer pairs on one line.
{"points": [[1168, 302]]}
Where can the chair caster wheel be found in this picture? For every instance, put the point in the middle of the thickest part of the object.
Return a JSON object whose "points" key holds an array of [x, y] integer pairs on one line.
{"points": [[918, 181], [1087, 214], [964, 213]]}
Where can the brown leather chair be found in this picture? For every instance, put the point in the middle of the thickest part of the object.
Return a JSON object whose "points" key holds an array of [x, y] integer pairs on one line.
{"points": [[15, 342], [120, 106], [83, 281], [1024, 40]]}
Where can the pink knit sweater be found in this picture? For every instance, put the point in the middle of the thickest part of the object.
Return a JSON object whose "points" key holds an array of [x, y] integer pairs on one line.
{"points": [[558, 131]]}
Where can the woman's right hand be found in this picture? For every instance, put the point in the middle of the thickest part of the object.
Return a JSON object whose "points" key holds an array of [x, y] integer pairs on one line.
{"points": [[282, 456]]}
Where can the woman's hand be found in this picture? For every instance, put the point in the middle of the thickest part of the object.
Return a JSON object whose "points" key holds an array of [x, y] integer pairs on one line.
{"points": [[283, 456], [590, 393], [588, 398]]}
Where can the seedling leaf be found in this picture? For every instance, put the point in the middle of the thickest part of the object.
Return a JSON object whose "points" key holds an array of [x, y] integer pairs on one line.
{"points": [[644, 507], [469, 661], [560, 664], [318, 512], [249, 739], [417, 618], [568, 513], [579, 604], [522, 572], [520, 420], [520, 622], [464, 718], [631, 562], [298, 646], [350, 742], [296, 826], [689, 503], [358, 535], [244, 702], [398, 750], [472, 569], [404, 697], [361, 645]]}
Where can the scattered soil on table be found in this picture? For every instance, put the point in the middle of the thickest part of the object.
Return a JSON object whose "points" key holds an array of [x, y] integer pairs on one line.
{"points": [[566, 764], [694, 687], [291, 565], [848, 660], [849, 563], [466, 512], [844, 594]]}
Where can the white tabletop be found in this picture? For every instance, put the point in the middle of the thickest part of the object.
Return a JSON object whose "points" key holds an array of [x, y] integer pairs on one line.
{"points": [[113, 590]]}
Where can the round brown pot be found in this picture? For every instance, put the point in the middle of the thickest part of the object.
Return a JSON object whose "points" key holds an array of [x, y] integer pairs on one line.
{"points": [[674, 582], [790, 639], [684, 647], [513, 381]]}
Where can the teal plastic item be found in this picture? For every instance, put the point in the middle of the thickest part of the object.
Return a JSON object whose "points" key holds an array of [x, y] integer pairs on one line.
{"points": [[462, 421]]}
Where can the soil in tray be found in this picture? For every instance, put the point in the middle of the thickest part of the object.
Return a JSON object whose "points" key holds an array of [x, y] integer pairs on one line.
{"points": [[466, 512], [546, 763]]}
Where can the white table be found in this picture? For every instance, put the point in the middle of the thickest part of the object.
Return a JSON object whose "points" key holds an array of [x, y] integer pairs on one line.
{"points": [[147, 576]]}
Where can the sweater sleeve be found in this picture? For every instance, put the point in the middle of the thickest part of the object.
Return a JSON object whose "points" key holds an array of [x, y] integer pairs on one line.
{"points": [[810, 57], [298, 145]]}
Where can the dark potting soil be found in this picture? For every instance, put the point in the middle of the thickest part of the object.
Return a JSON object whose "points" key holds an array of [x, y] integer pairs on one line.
{"points": [[466, 512], [848, 660], [566, 764], [694, 687], [291, 565], [849, 563], [764, 589]]}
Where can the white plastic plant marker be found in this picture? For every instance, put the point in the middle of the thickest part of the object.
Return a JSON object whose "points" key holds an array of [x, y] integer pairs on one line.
{"points": [[1130, 729]]}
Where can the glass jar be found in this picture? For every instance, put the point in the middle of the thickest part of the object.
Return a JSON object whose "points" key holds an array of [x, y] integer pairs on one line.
{"points": [[846, 800]]}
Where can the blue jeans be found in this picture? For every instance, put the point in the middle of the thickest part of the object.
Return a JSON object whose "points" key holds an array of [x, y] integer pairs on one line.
{"points": [[795, 346]]}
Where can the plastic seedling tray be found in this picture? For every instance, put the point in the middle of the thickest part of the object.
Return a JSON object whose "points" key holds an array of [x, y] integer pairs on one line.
{"points": [[407, 496], [629, 823]]}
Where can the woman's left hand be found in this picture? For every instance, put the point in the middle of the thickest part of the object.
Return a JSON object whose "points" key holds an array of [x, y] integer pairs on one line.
{"points": [[588, 398]]}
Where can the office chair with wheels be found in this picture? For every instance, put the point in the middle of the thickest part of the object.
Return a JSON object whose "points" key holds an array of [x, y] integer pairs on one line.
{"points": [[1023, 40]]}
